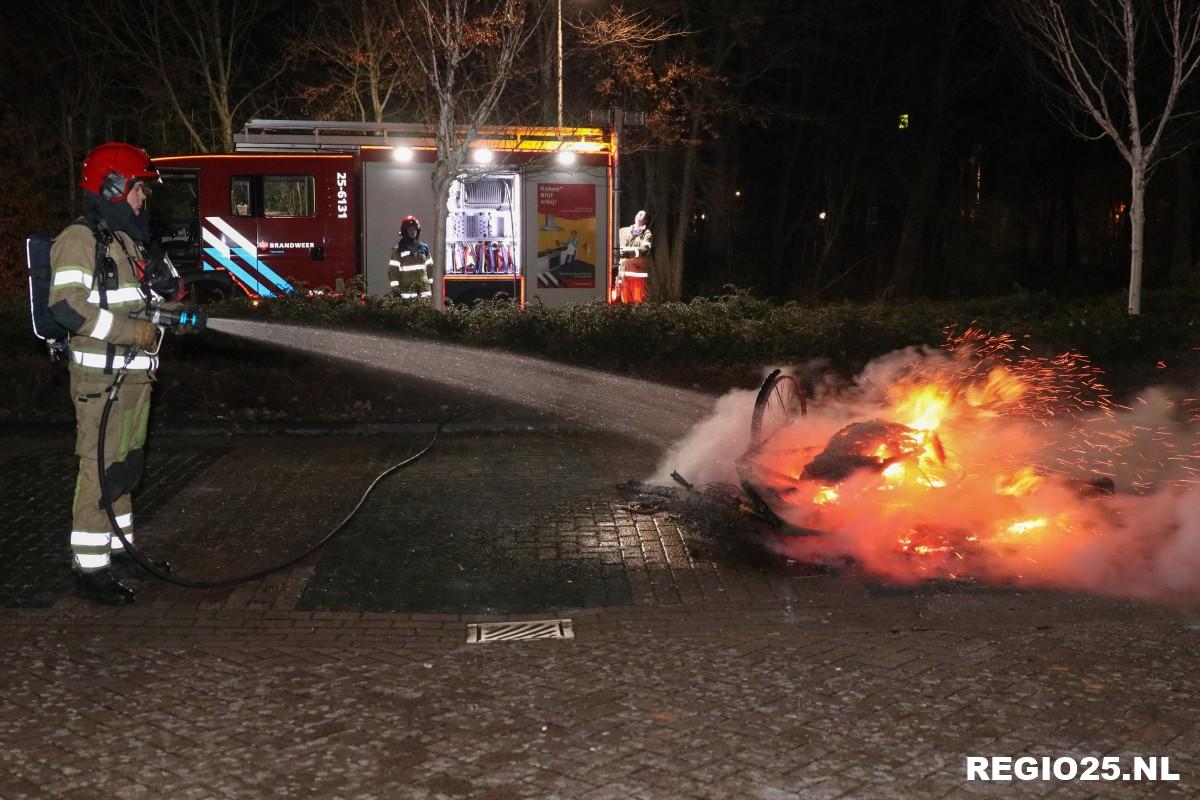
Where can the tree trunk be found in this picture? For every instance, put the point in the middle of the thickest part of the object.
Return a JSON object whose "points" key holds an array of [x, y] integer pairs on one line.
{"points": [[548, 68], [443, 178], [1182, 259], [67, 140], [684, 214], [657, 170], [1137, 229]]}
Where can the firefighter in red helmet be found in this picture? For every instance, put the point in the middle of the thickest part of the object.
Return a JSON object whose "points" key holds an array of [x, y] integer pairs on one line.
{"points": [[410, 266], [104, 267]]}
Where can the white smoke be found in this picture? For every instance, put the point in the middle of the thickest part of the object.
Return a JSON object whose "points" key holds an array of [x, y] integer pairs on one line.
{"points": [[1144, 542], [707, 454]]}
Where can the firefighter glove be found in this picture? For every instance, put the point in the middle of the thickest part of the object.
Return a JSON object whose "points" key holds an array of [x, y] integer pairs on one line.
{"points": [[145, 334]]}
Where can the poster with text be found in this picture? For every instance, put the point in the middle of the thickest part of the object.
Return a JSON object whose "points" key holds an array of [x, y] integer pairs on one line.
{"points": [[566, 235]]}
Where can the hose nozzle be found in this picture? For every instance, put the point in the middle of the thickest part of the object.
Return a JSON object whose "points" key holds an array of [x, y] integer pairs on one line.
{"points": [[174, 318]]}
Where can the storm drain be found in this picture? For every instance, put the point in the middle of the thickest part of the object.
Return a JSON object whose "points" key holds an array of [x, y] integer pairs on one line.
{"points": [[513, 631]]}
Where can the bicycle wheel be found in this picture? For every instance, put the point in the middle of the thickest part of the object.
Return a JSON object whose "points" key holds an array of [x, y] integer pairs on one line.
{"points": [[780, 401]]}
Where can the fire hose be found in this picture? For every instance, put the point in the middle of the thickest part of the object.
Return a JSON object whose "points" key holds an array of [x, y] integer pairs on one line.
{"points": [[163, 574]]}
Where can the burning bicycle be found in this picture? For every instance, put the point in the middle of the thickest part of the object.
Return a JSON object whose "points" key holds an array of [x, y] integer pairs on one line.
{"points": [[965, 464]]}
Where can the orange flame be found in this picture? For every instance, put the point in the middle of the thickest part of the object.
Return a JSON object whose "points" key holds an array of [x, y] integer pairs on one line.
{"points": [[1020, 483], [923, 408], [978, 465]]}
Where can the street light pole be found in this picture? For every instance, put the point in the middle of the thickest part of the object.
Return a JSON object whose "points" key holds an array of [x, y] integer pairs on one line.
{"points": [[560, 59]]}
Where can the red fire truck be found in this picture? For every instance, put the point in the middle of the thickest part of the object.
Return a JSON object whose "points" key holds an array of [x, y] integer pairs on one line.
{"points": [[310, 206]]}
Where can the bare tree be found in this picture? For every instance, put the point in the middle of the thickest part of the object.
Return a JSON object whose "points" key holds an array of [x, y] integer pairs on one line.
{"points": [[466, 50], [74, 79], [653, 60], [1103, 58], [206, 47], [620, 28], [366, 69]]}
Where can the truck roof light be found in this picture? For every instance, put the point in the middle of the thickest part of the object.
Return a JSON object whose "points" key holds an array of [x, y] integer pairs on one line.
{"points": [[403, 154], [482, 155], [565, 157]]}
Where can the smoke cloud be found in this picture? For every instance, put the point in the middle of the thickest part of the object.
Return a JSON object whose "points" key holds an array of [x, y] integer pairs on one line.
{"points": [[1010, 486]]}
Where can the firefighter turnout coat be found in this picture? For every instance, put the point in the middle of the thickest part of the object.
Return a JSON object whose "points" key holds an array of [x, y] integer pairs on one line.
{"points": [[634, 273], [95, 307], [410, 270], [95, 311]]}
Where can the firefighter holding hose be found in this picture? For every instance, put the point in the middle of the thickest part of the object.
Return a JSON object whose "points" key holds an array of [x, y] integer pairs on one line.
{"points": [[410, 266], [102, 273]]}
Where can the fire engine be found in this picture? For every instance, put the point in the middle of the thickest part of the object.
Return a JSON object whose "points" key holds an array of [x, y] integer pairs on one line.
{"points": [[310, 206]]}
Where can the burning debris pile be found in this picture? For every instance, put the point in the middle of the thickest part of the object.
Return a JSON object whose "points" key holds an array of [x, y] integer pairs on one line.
{"points": [[980, 461]]}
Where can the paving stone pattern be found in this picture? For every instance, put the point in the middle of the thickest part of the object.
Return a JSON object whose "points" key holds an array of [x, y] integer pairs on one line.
{"points": [[485, 524], [35, 508], [692, 674], [747, 704]]}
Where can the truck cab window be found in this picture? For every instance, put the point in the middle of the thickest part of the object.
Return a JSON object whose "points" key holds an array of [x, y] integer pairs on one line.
{"points": [[289, 195], [240, 204]]}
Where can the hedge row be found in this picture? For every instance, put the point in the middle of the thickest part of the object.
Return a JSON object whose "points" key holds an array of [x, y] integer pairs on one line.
{"points": [[737, 328]]}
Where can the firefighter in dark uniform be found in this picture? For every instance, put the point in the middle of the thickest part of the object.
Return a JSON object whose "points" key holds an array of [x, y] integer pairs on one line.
{"points": [[93, 301], [410, 267]]}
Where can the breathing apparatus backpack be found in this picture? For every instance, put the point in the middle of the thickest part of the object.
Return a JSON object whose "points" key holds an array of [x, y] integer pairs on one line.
{"points": [[41, 278]]}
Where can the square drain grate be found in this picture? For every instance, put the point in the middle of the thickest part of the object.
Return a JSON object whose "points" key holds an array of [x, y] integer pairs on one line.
{"points": [[513, 631]]}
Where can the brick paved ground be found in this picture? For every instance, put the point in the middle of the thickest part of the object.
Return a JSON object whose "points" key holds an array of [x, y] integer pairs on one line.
{"points": [[697, 671]]}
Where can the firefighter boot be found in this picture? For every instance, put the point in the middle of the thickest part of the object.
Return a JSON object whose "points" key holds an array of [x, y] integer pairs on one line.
{"points": [[102, 587]]}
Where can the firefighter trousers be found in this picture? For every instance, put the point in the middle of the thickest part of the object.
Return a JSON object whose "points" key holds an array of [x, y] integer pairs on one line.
{"points": [[634, 279], [633, 290], [92, 539]]}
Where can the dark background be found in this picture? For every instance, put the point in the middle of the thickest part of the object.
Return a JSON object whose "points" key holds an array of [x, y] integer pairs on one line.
{"points": [[772, 112]]}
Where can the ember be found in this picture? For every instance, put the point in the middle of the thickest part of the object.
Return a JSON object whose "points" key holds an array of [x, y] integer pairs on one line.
{"points": [[979, 461]]}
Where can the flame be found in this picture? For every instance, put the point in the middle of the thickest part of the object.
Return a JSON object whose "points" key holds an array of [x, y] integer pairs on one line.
{"points": [[923, 408], [826, 494], [1020, 483], [1018, 528], [979, 464], [1001, 388]]}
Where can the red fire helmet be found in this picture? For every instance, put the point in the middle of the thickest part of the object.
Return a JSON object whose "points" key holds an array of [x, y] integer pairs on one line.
{"points": [[409, 220], [112, 169]]}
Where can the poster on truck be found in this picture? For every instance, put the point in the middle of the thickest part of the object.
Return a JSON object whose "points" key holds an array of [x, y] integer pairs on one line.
{"points": [[566, 235]]}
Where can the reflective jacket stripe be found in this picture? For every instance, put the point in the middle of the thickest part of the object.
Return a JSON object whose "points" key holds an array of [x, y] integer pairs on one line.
{"points": [[102, 362], [637, 274], [64, 276], [118, 297], [103, 326]]}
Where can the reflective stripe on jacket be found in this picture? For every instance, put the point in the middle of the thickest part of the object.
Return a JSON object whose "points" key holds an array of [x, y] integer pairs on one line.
{"points": [[410, 269], [98, 318]]}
